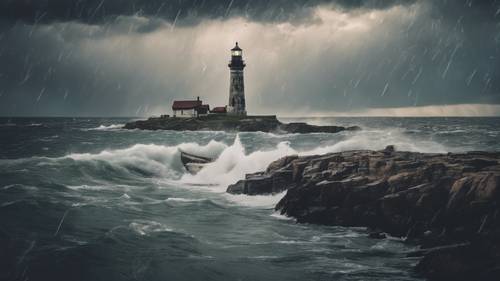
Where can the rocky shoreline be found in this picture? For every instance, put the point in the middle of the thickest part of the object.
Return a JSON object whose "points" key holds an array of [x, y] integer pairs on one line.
{"points": [[232, 124], [447, 203]]}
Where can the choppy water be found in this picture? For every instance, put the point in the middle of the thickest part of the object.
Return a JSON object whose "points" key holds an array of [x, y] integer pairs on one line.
{"points": [[81, 199]]}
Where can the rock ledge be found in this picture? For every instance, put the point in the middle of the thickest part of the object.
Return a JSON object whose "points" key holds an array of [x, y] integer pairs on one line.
{"points": [[447, 203]]}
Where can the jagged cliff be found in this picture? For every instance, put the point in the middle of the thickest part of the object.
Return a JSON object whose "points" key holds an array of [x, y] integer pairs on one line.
{"points": [[447, 203]]}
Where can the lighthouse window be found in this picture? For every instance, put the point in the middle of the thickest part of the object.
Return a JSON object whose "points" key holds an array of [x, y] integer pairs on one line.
{"points": [[237, 53]]}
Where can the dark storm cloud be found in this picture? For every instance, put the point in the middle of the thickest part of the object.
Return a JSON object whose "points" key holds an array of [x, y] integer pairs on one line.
{"points": [[183, 11], [125, 57]]}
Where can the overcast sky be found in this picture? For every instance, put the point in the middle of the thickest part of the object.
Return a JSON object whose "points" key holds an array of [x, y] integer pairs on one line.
{"points": [[360, 57]]}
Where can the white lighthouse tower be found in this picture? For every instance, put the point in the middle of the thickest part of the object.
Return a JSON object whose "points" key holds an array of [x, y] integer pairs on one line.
{"points": [[236, 105]]}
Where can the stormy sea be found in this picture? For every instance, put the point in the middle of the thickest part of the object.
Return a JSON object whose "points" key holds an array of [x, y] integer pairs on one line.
{"points": [[83, 199]]}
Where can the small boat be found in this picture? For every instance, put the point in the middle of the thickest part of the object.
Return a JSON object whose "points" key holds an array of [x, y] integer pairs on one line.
{"points": [[194, 163]]}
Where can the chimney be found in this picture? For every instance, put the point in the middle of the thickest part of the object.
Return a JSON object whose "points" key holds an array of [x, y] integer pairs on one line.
{"points": [[198, 98]]}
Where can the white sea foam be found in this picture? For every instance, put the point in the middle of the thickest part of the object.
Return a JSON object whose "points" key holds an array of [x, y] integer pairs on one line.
{"points": [[111, 127], [183, 200], [145, 227], [379, 139], [263, 257], [233, 163], [90, 187], [21, 186], [292, 242], [125, 196], [261, 201], [279, 216]]}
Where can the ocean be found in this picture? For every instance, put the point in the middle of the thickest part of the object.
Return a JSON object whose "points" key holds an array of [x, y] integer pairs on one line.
{"points": [[83, 199]]}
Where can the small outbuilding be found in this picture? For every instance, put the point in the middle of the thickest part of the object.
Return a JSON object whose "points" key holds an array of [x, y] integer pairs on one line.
{"points": [[203, 110], [219, 110]]}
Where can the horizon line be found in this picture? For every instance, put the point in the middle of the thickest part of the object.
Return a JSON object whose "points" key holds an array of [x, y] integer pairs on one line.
{"points": [[278, 116]]}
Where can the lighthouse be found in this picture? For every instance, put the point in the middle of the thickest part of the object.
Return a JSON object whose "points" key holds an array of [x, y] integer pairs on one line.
{"points": [[236, 105]]}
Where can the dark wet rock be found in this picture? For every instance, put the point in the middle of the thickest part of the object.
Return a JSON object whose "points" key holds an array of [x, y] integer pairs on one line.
{"points": [[303, 128], [433, 200], [231, 123], [253, 186], [280, 163], [237, 188], [259, 183], [466, 261]]}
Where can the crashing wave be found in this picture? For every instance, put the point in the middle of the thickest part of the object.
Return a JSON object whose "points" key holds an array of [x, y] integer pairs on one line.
{"points": [[111, 127], [232, 162], [157, 160]]}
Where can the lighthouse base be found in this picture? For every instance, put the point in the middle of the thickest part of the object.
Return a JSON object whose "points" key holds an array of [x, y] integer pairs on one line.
{"points": [[231, 111]]}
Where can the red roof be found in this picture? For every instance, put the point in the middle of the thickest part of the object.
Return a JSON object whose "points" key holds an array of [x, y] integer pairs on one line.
{"points": [[219, 109], [186, 104]]}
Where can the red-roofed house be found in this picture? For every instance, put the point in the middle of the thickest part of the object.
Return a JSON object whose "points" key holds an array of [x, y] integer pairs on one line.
{"points": [[190, 108]]}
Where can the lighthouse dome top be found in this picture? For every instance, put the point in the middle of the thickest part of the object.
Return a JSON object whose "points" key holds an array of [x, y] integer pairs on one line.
{"points": [[236, 48]]}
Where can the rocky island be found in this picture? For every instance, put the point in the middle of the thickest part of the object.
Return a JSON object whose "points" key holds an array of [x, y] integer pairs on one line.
{"points": [[447, 203], [195, 115], [231, 123]]}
